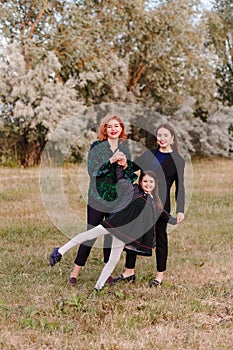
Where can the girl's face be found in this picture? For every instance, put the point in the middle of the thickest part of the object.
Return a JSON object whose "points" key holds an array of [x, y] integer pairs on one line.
{"points": [[148, 184], [114, 129], [165, 139]]}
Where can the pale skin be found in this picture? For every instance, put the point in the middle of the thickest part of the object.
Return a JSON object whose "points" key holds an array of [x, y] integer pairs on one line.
{"points": [[114, 130], [165, 141]]}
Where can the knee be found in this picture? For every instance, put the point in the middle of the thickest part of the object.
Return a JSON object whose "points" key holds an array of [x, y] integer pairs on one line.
{"points": [[114, 259]]}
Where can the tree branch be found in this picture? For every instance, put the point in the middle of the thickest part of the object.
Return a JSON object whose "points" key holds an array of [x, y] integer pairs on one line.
{"points": [[34, 25], [137, 76]]}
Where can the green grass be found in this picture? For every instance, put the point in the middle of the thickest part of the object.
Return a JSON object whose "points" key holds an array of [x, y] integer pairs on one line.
{"points": [[192, 310]]}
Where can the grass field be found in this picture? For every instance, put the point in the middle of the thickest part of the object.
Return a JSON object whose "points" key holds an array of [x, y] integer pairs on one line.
{"points": [[192, 310]]}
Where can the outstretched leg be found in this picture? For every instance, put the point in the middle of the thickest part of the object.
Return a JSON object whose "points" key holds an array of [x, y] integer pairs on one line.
{"points": [[116, 250], [95, 232]]}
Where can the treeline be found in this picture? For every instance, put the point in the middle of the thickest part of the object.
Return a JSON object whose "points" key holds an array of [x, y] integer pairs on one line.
{"points": [[73, 61]]}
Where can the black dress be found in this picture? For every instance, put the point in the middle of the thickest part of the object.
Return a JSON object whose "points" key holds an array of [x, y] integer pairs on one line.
{"points": [[134, 223]]}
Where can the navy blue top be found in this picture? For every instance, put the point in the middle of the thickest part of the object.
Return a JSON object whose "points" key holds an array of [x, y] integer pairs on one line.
{"points": [[160, 158]]}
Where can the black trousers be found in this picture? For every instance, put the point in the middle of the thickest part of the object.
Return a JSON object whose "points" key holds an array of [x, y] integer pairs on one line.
{"points": [[161, 250], [94, 217]]}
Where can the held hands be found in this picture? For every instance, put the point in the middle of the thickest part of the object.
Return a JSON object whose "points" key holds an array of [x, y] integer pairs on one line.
{"points": [[119, 158], [123, 162]]}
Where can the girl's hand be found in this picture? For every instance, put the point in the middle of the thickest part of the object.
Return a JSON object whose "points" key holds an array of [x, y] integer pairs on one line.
{"points": [[123, 162], [180, 217]]}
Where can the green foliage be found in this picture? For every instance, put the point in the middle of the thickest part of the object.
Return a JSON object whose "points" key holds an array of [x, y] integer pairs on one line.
{"points": [[32, 103], [31, 24], [120, 50], [59, 57], [220, 26], [34, 319]]}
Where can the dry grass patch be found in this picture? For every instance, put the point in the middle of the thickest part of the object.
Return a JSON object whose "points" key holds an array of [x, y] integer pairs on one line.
{"points": [[192, 310]]}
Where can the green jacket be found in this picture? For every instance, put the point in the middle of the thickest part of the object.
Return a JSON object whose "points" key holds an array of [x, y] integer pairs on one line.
{"points": [[102, 188]]}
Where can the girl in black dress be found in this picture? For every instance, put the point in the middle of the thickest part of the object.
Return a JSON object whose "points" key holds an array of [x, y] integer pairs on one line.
{"points": [[132, 225]]}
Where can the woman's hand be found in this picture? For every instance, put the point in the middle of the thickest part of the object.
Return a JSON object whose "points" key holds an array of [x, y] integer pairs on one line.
{"points": [[118, 156], [180, 217], [122, 159]]}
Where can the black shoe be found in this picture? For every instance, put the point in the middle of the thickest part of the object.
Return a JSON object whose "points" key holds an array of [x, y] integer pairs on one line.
{"points": [[99, 289], [55, 257], [110, 281], [155, 283], [131, 278], [73, 281]]}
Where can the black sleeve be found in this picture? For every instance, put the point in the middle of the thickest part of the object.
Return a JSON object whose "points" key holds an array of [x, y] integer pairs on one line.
{"points": [[129, 171], [144, 161], [125, 190], [179, 182], [168, 217]]}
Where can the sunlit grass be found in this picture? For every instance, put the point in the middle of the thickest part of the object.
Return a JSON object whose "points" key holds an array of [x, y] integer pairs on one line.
{"points": [[192, 310]]}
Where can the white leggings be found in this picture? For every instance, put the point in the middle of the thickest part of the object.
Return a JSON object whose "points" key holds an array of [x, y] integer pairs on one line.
{"points": [[116, 250]]}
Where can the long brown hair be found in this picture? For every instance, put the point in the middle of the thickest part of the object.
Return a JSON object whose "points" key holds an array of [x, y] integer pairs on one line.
{"points": [[155, 192], [168, 127], [104, 124]]}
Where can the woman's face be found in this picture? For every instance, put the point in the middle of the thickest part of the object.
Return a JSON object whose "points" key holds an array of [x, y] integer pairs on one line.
{"points": [[164, 138], [148, 184], [114, 129]]}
